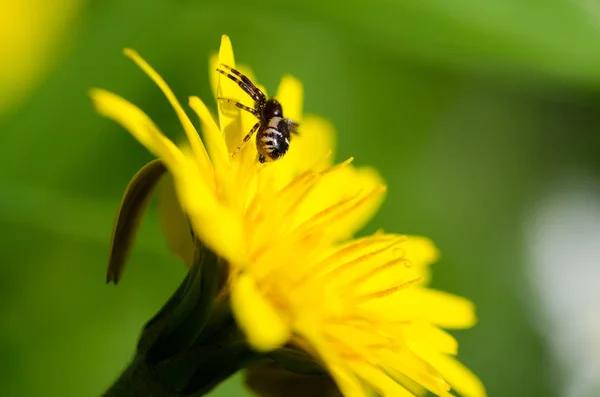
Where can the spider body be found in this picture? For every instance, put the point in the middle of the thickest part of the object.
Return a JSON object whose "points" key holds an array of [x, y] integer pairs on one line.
{"points": [[273, 136], [273, 130]]}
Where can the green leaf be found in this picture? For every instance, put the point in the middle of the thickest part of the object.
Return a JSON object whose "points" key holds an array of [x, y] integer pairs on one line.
{"points": [[133, 205]]}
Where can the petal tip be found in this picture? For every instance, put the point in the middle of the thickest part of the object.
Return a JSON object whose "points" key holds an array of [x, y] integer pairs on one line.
{"points": [[194, 101], [226, 51], [200, 108], [130, 53], [95, 93], [292, 81], [470, 315], [263, 326], [101, 99]]}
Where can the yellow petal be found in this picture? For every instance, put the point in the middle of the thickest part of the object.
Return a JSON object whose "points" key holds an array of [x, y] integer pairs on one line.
{"points": [[229, 116], [362, 185], [371, 267], [215, 141], [425, 305], [244, 120], [380, 381], [315, 144], [174, 222], [133, 205], [249, 154], [435, 338], [196, 197], [312, 148], [348, 382], [214, 223], [220, 230], [290, 95], [138, 124], [415, 388], [263, 326], [226, 57], [420, 251], [406, 362], [192, 134], [213, 75], [378, 265], [234, 123], [411, 257], [460, 377], [377, 247], [338, 367]]}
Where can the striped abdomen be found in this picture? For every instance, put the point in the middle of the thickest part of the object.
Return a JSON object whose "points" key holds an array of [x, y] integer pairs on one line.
{"points": [[273, 139]]}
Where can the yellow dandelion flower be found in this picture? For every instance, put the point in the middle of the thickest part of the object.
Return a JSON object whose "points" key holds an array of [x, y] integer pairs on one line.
{"points": [[297, 277]]}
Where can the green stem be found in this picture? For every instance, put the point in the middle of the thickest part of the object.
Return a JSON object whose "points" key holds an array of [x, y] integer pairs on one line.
{"points": [[137, 381], [218, 365], [192, 374], [191, 345]]}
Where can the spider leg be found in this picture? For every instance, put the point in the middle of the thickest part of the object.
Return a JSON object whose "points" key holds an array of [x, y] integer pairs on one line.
{"points": [[249, 89], [246, 139], [293, 126], [239, 105], [246, 81]]}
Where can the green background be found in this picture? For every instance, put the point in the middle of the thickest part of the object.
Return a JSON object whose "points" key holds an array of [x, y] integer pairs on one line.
{"points": [[468, 108]]}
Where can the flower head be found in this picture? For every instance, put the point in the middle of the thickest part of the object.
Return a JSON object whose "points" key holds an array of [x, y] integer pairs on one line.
{"points": [[297, 277]]}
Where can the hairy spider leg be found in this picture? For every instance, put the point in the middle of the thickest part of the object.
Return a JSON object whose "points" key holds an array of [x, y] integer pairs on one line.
{"points": [[292, 125], [246, 81], [239, 105], [246, 139], [255, 93]]}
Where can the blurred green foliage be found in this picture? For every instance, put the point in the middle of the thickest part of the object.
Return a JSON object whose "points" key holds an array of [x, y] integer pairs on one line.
{"points": [[466, 107]]}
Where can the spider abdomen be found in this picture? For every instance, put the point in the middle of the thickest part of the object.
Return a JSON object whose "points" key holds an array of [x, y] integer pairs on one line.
{"points": [[273, 139]]}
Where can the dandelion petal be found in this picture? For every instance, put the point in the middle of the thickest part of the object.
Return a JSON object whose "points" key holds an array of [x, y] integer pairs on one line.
{"points": [[192, 134], [263, 326], [338, 186], [138, 124], [290, 95], [460, 377], [175, 223], [423, 304], [431, 336], [212, 135]]}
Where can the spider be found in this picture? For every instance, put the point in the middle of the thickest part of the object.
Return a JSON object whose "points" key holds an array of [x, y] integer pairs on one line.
{"points": [[273, 137]]}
